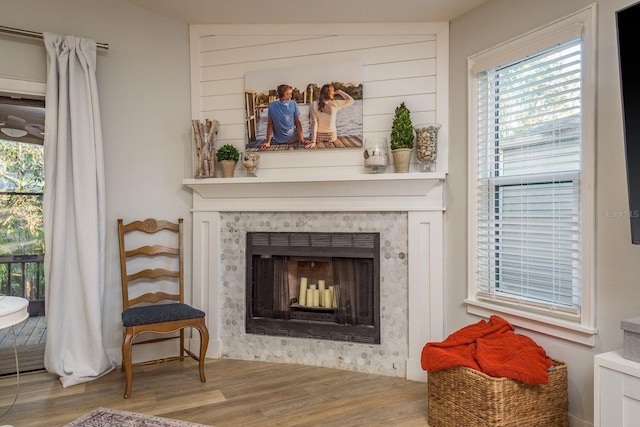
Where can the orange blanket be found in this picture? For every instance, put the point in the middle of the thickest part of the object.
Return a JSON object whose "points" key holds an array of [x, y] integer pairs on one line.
{"points": [[493, 348]]}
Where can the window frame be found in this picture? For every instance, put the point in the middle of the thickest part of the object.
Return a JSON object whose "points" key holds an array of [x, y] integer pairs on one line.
{"points": [[23, 89], [581, 329]]}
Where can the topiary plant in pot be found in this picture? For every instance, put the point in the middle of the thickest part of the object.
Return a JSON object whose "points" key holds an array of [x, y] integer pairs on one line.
{"points": [[401, 138], [228, 156]]}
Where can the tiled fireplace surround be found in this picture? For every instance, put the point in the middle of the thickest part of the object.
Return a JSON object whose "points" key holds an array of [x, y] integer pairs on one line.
{"points": [[407, 211]]}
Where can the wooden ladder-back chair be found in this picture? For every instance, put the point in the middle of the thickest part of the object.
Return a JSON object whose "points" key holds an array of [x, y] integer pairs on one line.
{"points": [[153, 294]]}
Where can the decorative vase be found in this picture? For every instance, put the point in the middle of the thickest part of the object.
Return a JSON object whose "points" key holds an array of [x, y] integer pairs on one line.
{"points": [[401, 159], [427, 146], [250, 162], [376, 154], [227, 167]]}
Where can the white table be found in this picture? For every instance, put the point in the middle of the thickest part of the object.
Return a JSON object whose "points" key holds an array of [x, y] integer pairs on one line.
{"points": [[13, 310]]}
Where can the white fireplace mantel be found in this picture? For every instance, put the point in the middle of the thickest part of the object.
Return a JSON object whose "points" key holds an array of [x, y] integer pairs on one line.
{"points": [[350, 192], [420, 195]]}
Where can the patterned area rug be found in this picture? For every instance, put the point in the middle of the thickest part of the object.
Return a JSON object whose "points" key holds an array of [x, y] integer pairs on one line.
{"points": [[105, 417]]}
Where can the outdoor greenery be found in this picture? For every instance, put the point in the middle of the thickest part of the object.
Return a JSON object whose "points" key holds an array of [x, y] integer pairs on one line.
{"points": [[21, 187], [402, 128], [21, 218]]}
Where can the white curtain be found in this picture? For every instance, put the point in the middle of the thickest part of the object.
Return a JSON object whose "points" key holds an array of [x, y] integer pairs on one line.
{"points": [[74, 213]]}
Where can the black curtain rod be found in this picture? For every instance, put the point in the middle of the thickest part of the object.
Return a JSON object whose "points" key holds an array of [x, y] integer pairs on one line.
{"points": [[35, 35]]}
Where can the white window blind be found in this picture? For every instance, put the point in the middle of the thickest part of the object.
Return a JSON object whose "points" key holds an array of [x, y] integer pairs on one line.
{"points": [[529, 124]]}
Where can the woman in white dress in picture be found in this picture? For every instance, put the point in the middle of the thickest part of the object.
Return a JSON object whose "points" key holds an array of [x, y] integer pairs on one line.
{"points": [[323, 114]]}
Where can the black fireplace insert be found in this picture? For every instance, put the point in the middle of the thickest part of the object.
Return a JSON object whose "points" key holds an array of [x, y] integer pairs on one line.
{"points": [[314, 285]]}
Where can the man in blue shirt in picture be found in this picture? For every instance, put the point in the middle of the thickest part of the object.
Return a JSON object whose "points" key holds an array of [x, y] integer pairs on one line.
{"points": [[283, 126]]}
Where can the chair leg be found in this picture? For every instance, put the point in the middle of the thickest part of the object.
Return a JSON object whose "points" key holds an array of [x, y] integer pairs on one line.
{"points": [[182, 344], [126, 363], [204, 343], [124, 335]]}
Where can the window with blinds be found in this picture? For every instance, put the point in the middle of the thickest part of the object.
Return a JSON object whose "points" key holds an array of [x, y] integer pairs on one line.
{"points": [[529, 144], [531, 174]]}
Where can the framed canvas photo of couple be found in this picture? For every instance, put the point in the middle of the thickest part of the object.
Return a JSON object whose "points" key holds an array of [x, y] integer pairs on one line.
{"points": [[305, 107]]}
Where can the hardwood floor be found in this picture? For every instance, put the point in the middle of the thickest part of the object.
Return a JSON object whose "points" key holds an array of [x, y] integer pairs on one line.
{"points": [[30, 338], [32, 331], [30, 358], [237, 393]]}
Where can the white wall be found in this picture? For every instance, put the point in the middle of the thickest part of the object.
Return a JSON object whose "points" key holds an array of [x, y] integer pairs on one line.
{"points": [[143, 82], [617, 261]]}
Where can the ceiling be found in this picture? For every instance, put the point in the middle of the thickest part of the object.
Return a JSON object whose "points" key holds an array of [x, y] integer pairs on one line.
{"points": [[307, 11]]}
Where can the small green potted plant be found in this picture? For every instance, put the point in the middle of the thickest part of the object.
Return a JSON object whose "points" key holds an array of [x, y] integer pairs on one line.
{"points": [[228, 156], [401, 138]]}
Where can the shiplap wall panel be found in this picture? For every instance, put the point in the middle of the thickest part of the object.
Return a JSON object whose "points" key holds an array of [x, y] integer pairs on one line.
{"points": [[226, 86], [222, 102], [400, 63], [223, 43], [422, 102], [401, 87], [311, 47], [304, 54], [399, 70], [233, 132], [228, 117], [389, 55]]}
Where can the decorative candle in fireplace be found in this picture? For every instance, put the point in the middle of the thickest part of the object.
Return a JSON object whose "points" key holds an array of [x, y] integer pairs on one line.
{"points": [[302, 299], [321, 288]]}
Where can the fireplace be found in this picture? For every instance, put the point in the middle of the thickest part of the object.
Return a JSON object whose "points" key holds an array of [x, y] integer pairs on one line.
{"points": [[405, 209], [314, 285]]}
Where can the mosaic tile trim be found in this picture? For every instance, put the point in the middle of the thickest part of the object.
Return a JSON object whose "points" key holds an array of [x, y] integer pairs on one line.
{"points": [[387, 358]]}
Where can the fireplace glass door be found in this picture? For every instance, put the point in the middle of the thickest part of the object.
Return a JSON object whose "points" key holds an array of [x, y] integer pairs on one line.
{"points": [[314, 285]]}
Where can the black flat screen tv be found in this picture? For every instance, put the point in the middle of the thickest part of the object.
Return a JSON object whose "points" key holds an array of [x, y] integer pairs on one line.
{"points": [[628, 27]]}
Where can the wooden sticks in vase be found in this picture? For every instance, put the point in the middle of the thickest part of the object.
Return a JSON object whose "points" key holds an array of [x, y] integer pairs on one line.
{"points": [[205, 138]]}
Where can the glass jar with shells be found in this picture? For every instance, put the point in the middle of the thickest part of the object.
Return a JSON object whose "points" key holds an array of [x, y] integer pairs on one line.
{"points": [[427, 146]]}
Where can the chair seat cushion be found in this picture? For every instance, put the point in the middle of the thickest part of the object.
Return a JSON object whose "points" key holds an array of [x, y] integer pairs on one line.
{"points": [[159, 313]]}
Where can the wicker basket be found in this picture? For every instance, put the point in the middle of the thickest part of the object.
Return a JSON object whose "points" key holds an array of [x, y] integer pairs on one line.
{"points": [[464, 397]]}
